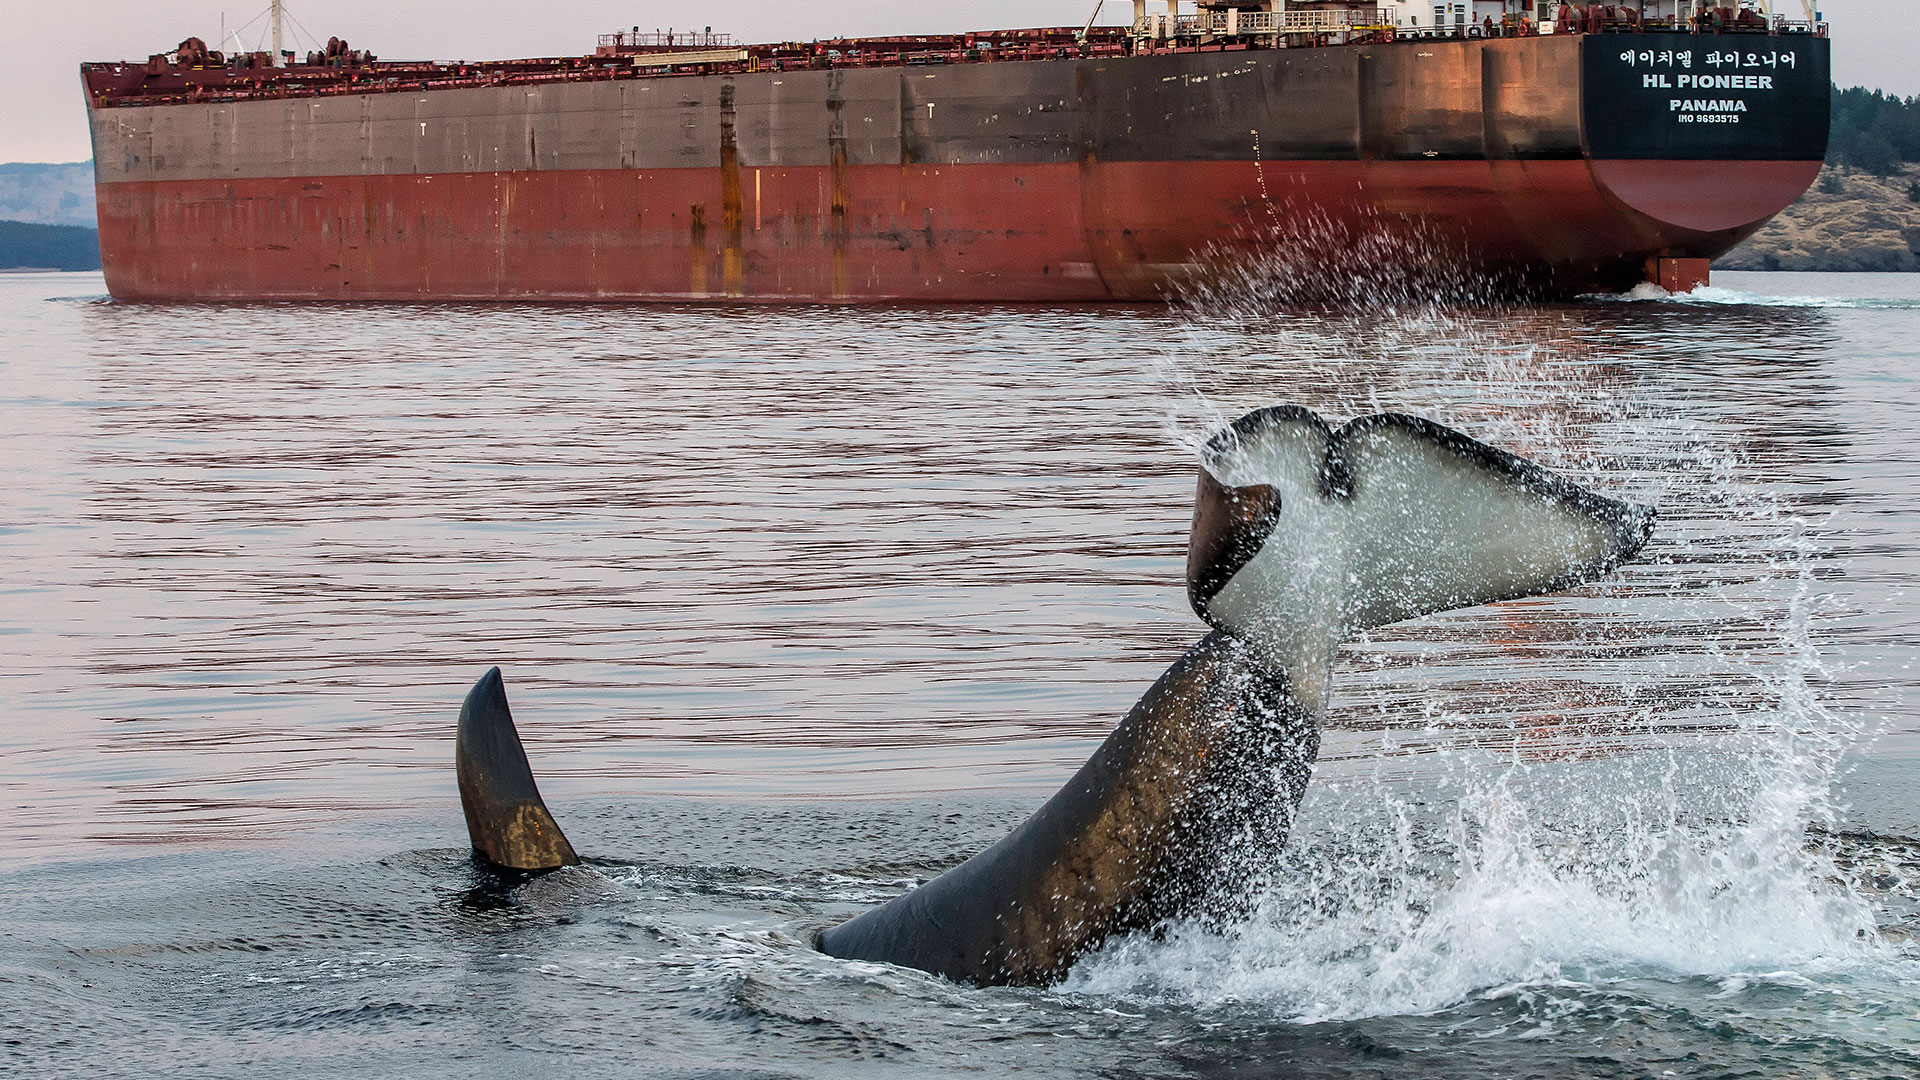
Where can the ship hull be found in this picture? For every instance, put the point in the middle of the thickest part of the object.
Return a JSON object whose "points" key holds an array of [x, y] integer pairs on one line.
{"points": [[1055, 181]]}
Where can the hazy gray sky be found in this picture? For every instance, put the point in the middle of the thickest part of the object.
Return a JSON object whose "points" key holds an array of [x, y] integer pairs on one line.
{"points": [[45, 119]]}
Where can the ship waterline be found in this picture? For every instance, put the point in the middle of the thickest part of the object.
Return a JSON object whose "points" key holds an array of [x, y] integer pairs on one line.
{"points": [[1554, 164]]}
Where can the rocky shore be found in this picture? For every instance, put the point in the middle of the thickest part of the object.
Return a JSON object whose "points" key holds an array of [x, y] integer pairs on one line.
{"points": [[1850, 220]]}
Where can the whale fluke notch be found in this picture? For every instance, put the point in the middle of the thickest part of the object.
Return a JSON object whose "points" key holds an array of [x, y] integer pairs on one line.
{"points": [[506, 818]]}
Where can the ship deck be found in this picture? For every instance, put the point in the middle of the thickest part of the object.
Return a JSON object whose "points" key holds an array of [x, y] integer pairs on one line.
{"points": [[196, 76]]}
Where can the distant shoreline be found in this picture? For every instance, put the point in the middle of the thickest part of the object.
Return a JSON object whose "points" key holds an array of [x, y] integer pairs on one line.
{"points": [[31, 245]]}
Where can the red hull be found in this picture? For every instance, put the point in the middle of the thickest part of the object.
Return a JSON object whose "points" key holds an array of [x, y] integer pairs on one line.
{"points": [[976, 232]]}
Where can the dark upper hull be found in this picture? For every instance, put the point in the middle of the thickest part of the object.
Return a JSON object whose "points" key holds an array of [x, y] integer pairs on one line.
{"points": [[1554, 163]]}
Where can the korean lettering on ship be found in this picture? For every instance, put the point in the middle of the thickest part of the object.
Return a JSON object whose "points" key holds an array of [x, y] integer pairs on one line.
{"points": [[1673, 70]]}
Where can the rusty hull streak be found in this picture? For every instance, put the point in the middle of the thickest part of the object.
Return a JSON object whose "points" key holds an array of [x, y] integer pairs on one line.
{"points": [[837, 179], [697, 249], [731, 260]]}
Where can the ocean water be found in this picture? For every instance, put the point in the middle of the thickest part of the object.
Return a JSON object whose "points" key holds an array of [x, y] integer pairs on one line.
{"points": [[798, 607]]}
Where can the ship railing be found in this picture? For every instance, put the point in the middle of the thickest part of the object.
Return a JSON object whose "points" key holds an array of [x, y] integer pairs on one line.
{"points": [[1784, 25], [684, 39], [407, 77], [1234, 23], [1779, 25], [1323, 21]]}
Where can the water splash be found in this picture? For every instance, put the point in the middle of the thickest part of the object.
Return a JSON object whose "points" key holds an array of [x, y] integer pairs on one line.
{"points": [[1403, 897], [1469, 854], [1342, 314]]}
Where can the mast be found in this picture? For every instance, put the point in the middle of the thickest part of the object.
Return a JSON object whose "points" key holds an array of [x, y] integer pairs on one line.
{"points": [[277, 8]]}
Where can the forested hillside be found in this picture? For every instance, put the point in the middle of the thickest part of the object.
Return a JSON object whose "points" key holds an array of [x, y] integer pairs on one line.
{"points": [[26, 245], [1874, 132]]}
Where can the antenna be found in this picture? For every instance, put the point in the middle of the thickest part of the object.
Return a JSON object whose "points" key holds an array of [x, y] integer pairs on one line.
{"points": [[1088, 29]]}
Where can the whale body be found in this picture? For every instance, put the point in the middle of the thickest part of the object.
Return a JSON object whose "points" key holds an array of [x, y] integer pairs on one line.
{"points": [[1302, 537]]}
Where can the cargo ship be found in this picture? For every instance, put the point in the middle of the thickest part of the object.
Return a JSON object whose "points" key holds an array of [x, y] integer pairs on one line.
{"points": [[1548, 149]]}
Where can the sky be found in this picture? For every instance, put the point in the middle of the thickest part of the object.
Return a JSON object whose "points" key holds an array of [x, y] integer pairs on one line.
{"points": [[45, 117]]}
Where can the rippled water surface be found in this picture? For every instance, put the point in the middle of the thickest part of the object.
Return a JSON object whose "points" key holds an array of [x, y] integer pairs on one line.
{"points": [[798, 607]]}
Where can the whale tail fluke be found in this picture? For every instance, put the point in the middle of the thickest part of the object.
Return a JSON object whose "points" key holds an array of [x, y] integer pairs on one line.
{"points": [[1304, 535], [506, 818]]}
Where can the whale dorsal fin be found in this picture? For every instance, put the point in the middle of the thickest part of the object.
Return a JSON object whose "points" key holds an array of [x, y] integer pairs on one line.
{"points": [[506, 818], [1388, 518]]}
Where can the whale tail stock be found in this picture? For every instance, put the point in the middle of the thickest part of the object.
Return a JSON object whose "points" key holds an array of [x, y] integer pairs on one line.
{"points": [[507, 821], [1157, 824]]}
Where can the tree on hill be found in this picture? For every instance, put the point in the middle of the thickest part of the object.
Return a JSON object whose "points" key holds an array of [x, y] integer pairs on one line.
{"points": [[1874, 132], [48, 247]]}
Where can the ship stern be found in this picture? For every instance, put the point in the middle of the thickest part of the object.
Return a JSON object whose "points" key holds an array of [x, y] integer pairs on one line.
{"points": [[1700, 140]]}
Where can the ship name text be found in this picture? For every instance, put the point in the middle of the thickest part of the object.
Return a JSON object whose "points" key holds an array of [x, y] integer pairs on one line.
{"points": [[1664, 81]]}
